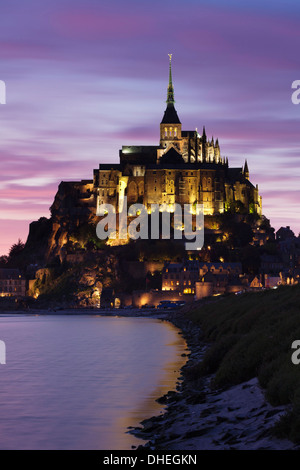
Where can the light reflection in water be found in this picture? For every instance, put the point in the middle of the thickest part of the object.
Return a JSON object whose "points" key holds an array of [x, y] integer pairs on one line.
{"points": [[78, 382]]}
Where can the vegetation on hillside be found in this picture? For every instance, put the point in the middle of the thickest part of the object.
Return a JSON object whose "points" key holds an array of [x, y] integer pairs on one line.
{"points": [[251, 335]]}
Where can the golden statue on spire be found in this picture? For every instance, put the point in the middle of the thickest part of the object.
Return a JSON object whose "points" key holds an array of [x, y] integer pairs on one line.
{"points": [[170, 56]]}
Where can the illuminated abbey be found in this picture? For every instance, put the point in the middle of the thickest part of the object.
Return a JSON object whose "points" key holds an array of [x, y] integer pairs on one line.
{"points": [[185, 168]]}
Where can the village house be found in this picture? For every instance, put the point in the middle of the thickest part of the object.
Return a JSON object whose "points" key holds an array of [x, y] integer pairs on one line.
{"points": [[12, 283]]}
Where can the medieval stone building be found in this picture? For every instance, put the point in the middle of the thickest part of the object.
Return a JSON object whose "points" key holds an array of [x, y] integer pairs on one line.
{"points": [[185, 168]]}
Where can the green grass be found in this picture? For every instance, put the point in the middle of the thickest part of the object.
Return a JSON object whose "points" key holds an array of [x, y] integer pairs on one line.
{"points": [[251, 336]]}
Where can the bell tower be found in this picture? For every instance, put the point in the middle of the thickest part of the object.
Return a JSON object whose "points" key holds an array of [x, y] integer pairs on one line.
{"points": [[170, 126]]}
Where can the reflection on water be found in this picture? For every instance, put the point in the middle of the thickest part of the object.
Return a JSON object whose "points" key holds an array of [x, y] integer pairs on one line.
{"points": [[78, 382]]}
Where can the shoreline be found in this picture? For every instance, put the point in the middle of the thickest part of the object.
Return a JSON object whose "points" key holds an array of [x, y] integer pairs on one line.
{"points": [[135, 312], [198, 418]]}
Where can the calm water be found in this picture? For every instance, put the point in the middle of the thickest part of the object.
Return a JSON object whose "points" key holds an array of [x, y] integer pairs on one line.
{"points": [[78, 382]]}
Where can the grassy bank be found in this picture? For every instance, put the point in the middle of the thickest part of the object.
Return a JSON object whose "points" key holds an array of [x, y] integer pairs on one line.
{"points": [[251, 336]]}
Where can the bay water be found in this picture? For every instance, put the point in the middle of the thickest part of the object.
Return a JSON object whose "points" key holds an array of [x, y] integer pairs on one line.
{"points": [[79, 381]]}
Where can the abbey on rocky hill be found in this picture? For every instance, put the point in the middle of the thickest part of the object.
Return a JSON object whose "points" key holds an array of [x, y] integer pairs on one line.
{"points": [[185, 168]]}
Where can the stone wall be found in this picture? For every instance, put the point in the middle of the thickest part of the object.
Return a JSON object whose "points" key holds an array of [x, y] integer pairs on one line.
{"points": [[140, 298]]}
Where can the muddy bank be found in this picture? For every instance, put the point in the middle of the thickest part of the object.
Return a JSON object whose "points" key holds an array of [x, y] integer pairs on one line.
{"points": [[199, 418]]}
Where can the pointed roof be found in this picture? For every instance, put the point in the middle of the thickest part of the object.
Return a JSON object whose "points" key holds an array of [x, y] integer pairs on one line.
{"points": [[170, 115], [246, 169], [171, 157]]}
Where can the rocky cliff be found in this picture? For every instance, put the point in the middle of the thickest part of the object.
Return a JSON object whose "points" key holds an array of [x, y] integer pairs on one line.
{"points": [[72, 223]]}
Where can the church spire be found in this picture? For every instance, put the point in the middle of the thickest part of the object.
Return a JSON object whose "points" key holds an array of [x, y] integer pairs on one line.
{"points": [[170, 116], [170, 95], [246, 170]]}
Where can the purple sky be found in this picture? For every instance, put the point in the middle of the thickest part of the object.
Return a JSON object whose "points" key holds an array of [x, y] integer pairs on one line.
{"points": [[85, 77]]}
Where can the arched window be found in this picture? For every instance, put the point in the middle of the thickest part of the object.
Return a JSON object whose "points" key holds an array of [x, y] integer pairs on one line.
{"points": [[175, 132], [141, 188], [166, 132]]}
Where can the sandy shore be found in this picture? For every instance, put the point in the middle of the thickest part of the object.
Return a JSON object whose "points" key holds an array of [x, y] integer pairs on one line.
{"points": [[201, 419]]}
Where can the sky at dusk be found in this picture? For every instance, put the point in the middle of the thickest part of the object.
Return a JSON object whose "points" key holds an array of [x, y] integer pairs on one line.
{"points": [[85, 77]]}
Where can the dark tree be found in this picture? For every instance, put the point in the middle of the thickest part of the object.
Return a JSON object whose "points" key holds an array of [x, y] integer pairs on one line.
{"points": [[16, 249], [3, 261]]}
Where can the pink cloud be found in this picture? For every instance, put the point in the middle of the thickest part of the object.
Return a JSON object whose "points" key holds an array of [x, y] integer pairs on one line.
{"points": [[17, 50], [81, 23]]}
